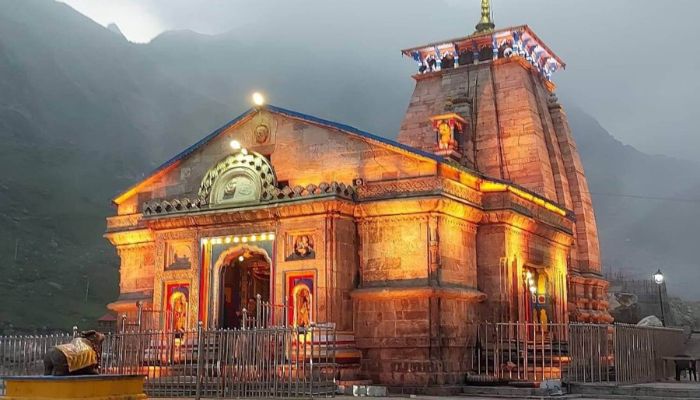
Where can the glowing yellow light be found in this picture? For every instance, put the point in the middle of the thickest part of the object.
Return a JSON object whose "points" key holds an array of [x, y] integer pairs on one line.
{"points": [[271, 236], [205, 240], [244, 239], [533, 289], [253, 238], [241, 258], [263, 236], [236, 239], [531, 281], [228, 239], [258, 99], [235, 144], [244, 151], [528, 275]]}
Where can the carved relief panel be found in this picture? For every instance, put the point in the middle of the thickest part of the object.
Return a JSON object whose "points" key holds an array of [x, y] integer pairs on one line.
{"points": [[178, 255], [300, 245]]}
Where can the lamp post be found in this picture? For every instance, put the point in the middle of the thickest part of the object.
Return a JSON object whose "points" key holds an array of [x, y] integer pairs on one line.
{"points": [[659, 279]]}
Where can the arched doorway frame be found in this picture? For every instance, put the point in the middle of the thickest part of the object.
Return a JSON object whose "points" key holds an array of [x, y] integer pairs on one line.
{"points": [[216, 274]]}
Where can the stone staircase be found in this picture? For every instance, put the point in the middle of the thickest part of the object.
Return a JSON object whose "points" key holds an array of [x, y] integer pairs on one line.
{"points": [[347, 357]]}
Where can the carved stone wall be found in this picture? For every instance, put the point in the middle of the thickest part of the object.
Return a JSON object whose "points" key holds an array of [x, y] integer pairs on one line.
{"points": [[394, 249], [519, 134], [136, 268], [457, 252], [164, 276]]}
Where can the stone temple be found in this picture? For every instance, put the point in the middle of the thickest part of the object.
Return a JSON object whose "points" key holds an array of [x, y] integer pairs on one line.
{"points": [[480, 210]]}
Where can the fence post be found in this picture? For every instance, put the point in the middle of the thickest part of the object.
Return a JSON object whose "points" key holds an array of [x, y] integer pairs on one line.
{"points": [[258, 310], [200, 359], [75, 331], [284, 312], [245, 319], [139, 313]]}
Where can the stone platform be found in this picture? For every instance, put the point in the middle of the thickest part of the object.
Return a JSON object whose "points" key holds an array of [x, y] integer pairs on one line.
{"points": [[88, 387]]}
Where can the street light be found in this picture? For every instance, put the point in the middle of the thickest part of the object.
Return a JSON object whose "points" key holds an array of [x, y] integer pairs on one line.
{"points": [[659, 279]]}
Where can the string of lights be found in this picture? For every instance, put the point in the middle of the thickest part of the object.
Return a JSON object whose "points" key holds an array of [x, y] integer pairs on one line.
{"points": [[239, 239]]}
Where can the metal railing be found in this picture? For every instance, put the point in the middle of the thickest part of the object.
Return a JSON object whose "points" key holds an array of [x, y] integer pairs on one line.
{"points": [[581, 353], [266, 314], [143, 318], [519, 351], [266, 362], [621, 353], [24, 355], [591, 352]]}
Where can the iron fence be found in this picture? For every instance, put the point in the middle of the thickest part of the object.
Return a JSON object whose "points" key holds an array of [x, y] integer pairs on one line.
{"points": [[264, 314], [591, 351], [580, 353], [621, 353], [519, 351], [24, 355], [266, 362]]}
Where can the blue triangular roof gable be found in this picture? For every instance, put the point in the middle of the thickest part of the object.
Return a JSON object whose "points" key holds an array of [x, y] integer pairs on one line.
{"points": [[292, 114]]}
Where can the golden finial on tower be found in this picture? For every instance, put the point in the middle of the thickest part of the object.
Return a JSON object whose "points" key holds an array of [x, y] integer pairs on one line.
{"points": [[485, 24]]}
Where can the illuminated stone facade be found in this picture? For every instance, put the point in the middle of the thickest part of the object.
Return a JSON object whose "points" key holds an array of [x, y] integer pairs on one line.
{"points": [[515, 130], [479, 212]]}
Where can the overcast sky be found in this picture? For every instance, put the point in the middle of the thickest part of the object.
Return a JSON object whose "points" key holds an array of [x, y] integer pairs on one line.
{"points": [[633, 64]]}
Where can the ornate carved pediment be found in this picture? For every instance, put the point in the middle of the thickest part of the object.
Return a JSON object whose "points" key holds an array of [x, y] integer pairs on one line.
{"points": [[242, 178]]}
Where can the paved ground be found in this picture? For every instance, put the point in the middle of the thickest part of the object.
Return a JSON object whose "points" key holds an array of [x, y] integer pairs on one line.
{"points": [[694, 386], [424, 398]]}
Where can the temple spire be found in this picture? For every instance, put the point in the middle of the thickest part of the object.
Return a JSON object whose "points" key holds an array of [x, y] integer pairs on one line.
{"points": [[485, 24]]}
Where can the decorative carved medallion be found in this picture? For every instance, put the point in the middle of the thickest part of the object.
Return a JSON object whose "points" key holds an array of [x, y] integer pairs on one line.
{"points": [[261, 133], [239, 179]]}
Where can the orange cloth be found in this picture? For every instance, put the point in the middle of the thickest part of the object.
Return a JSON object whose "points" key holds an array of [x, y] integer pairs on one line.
{"points": [[79, 354]]}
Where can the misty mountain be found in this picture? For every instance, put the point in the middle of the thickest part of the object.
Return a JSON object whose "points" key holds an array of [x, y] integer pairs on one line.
{"points": [[647, 207], [84, 113]]}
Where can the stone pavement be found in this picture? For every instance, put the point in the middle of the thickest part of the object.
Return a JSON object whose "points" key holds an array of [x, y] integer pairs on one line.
{"points": [[644, 391]]}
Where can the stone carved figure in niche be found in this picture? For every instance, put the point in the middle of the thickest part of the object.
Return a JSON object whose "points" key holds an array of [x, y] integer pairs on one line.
{"points": [[302, 305], [300, 247], [303, 246], [444, 135], [178, 308]]}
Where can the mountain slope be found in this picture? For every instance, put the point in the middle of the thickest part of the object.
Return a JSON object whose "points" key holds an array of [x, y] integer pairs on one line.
{"points": [[647, 207], [83, 113]]}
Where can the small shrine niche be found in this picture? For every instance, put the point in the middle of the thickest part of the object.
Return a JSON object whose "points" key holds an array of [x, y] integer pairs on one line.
{"points": [[449, 129]]}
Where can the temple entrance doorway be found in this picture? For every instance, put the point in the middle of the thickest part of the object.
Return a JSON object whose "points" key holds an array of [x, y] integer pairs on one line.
{"points": [[242, 278]]}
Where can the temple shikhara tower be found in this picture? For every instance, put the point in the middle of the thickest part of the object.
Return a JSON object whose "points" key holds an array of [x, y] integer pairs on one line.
{"points": [[480, 210]]}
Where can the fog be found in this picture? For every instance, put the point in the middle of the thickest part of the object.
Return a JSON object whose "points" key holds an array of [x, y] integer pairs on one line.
{"points": [[630, 63]]}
